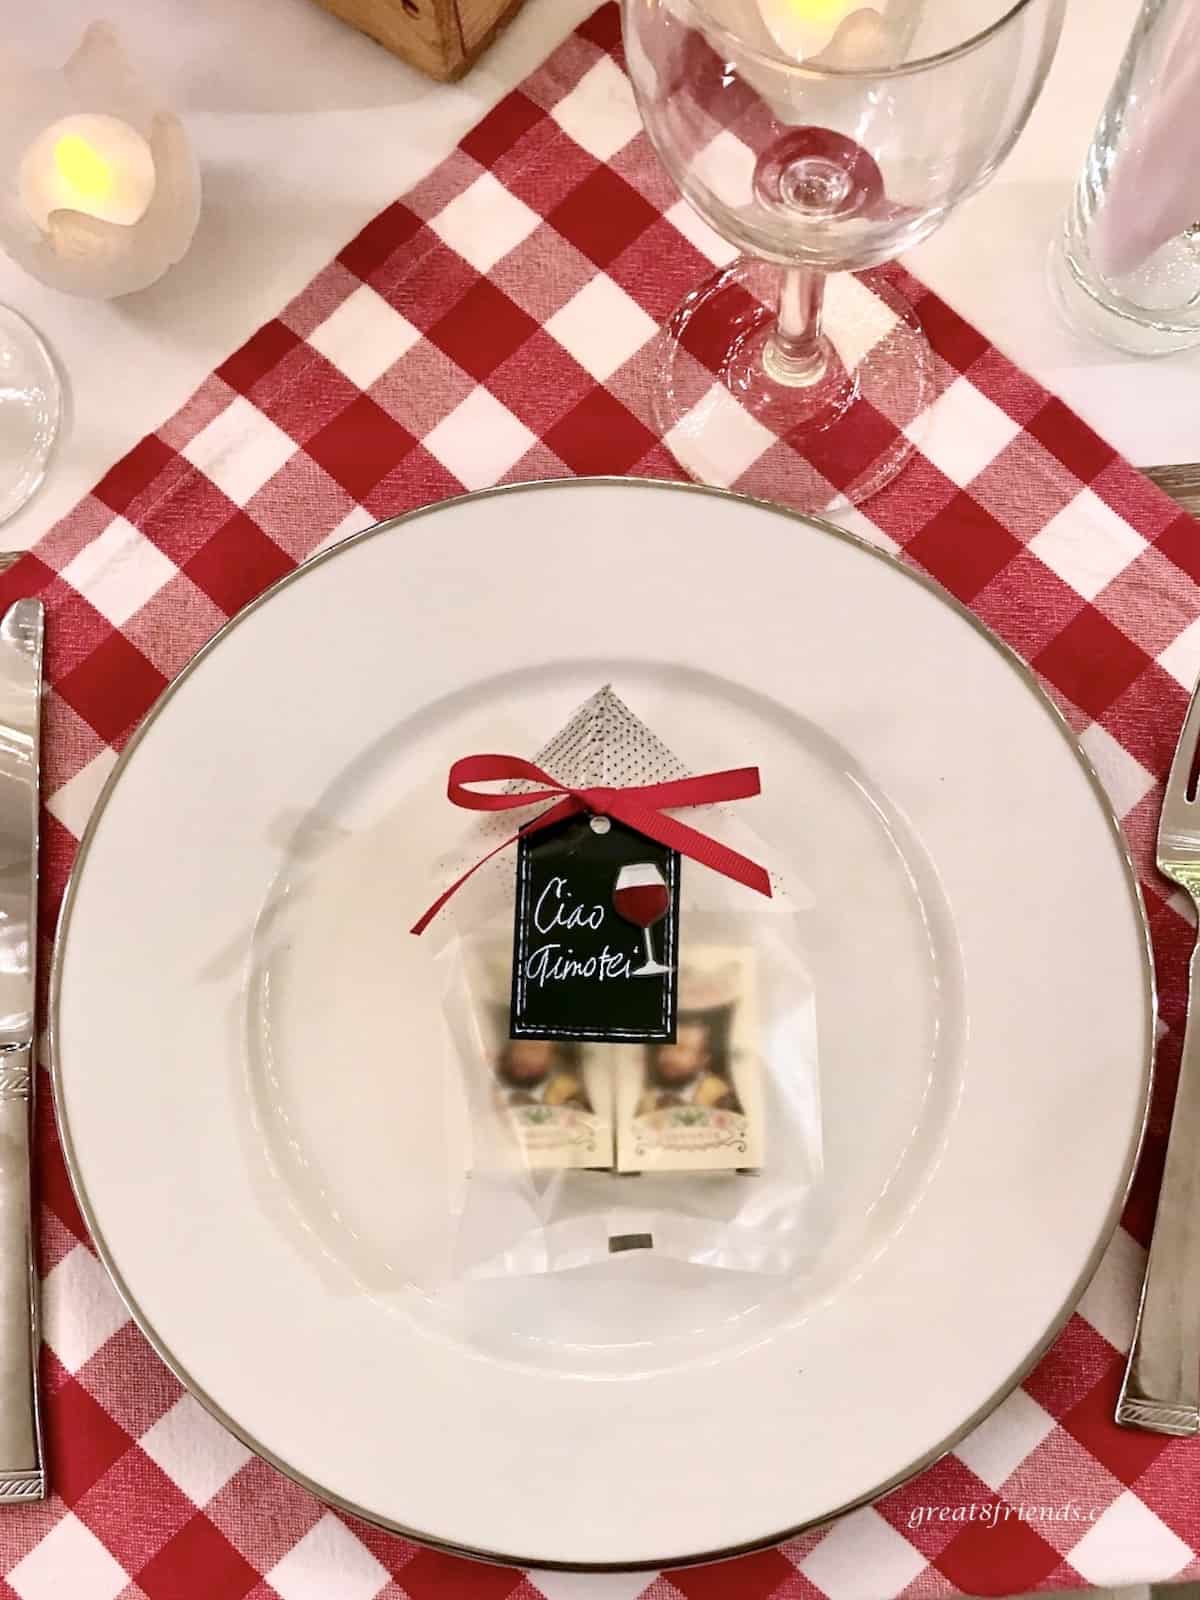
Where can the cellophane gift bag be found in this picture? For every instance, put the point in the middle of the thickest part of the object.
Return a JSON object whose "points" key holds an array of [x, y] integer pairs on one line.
{"points": [[702, 1144]]}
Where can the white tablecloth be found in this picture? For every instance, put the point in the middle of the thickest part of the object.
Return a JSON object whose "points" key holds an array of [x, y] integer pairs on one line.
{"points": [[305, 129]]}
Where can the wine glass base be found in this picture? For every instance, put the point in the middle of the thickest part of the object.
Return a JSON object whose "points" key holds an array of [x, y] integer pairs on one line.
{"points": [[30, 405], [817, 446], [650, 969]]}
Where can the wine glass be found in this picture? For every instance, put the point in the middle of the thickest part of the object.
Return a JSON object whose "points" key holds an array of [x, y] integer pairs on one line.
{"points": [[641, 896], [30, 401], [820, 137]]}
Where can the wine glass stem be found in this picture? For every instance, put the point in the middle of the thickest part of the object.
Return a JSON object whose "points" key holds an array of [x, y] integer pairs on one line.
{"points": [[795, 353], [649, 946]]}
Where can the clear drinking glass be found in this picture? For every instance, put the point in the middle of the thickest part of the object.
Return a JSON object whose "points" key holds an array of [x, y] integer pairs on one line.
{"points": [[819, 137], [30, 401], [1127, 265]]}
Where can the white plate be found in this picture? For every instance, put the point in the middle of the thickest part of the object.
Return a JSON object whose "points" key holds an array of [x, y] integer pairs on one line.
{"points": [[248, 1043]]}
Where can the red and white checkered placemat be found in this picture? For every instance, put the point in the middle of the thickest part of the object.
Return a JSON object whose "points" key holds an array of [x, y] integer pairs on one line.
{"points": [[492, 326]]}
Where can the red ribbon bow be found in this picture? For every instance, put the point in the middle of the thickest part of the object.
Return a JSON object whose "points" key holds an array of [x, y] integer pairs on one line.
{"points": [[637, 807]]}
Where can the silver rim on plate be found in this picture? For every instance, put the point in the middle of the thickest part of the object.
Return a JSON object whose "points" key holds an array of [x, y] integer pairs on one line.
{"points": [[774, 1537]]}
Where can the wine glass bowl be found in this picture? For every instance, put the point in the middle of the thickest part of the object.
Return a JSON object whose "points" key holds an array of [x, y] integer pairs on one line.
{"points": [[827, 162], [641, 897]]}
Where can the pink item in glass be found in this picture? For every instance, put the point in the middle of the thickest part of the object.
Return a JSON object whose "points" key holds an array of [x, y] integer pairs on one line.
{"points": [[1153, 192]]}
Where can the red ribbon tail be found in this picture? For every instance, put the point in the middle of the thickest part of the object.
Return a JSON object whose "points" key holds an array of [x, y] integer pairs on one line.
{"points": [[423, 922], [692, 843]]}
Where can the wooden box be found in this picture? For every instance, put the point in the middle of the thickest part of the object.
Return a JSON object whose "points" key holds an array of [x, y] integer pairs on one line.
{"points": [[441, 37]]}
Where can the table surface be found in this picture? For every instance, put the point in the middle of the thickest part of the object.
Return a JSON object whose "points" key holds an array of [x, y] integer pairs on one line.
{"points": [[305, 129]]}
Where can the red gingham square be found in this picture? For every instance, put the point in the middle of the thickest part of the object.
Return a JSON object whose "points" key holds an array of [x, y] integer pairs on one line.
{"points": [[113, 687], [360, 446], [769, 1575], [134, 473], [603, 28], [1009, 1558], [391, 230], [603, 216], [1091, 661], [483, 330], [964, 547], [1179, 541], [199, 1547], [599, 430], [257, 358], [495, 135], [312, 455], [1071, 440], [430, 1575], [1125, 1452], [33, 579], [844, 450], [954, 339], [237, 563], [84, 1440]]}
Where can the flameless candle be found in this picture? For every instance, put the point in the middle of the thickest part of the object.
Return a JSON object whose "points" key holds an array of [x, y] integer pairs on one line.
{"points": [[805, 27], [99, 186], [844, 34], [96, 165]]}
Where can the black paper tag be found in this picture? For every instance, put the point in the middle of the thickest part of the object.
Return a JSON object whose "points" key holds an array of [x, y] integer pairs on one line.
{"points": [[596, 937]]}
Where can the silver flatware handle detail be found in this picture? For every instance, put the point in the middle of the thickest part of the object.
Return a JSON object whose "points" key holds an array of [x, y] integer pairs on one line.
{"points": [[22, 1469], [1161, 1389]]}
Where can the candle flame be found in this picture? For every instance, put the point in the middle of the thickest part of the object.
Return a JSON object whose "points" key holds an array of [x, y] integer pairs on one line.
{"points": [[83, 167]]}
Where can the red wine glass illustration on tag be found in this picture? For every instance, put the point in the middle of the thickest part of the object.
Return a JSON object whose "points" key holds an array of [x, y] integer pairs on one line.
{"points": [[641, 896]]}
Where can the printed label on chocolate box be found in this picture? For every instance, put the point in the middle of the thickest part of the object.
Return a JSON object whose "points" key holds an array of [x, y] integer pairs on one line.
{"points": [[596, 937], [695, 1105]]}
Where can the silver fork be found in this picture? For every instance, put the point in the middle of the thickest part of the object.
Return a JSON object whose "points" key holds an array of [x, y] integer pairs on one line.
{"points": [[1161, 1389]]}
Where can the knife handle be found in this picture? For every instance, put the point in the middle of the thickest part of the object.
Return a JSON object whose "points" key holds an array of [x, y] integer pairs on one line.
{"points": [[1161, 1390], [22, 1465]]}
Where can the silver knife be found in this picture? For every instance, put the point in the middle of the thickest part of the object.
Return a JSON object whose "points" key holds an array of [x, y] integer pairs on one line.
{"points": [[22, 1464]]}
